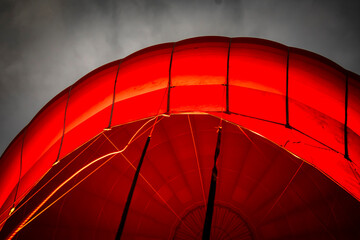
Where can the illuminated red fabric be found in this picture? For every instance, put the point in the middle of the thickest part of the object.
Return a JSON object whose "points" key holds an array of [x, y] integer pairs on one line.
{"points": [[250, 80]]}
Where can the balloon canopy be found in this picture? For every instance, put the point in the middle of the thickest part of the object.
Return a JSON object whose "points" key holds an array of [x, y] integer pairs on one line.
{"points": [[270, 133]]}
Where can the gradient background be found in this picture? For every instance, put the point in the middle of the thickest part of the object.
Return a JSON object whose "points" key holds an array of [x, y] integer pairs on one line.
{"points": [[46, 45]]}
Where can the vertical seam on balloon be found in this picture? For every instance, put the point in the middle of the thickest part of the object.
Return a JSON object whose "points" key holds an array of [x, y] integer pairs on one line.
{"points": [[133, 184], [346, 155], [169, 82], [21, 156], [131, 192], [212, 191], [113, 100], [63, 132], [227, 78], [287, 89]]}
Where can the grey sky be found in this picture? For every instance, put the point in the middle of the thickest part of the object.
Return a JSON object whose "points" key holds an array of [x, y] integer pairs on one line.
{"points": [[47, 45]]}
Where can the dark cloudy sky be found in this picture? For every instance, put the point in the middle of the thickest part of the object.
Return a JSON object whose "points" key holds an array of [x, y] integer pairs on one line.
{"points": [[46, 45]]}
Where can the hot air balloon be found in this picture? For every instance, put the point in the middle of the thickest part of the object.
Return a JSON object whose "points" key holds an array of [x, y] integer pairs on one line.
{"points": [[209, 137]]}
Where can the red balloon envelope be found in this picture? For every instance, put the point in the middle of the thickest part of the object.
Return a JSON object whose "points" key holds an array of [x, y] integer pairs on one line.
{"points": [[288, 152]]}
